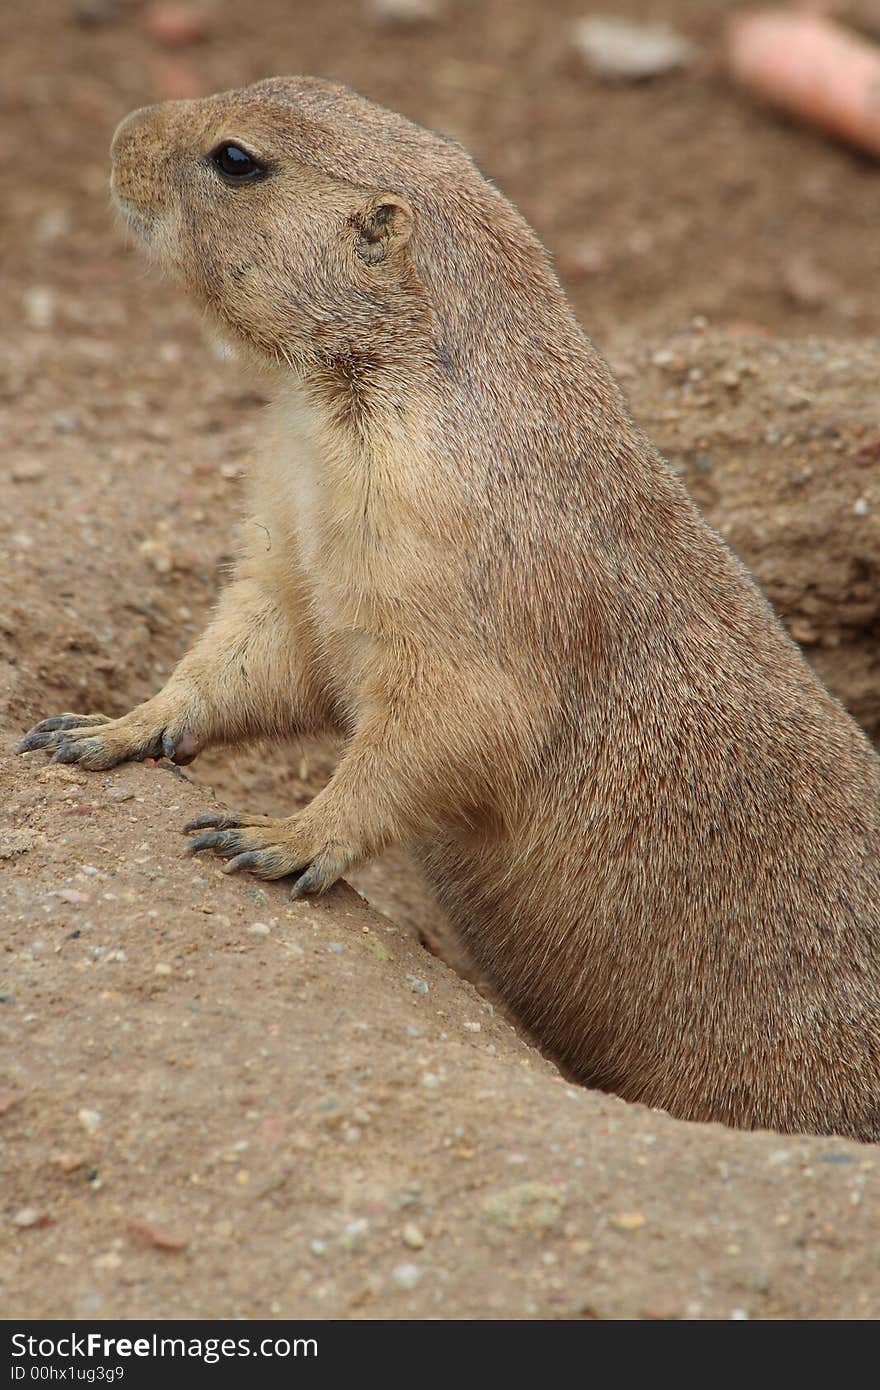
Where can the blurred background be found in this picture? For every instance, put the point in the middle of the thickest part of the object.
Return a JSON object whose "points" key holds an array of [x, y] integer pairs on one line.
{"points": [[661, 199]]}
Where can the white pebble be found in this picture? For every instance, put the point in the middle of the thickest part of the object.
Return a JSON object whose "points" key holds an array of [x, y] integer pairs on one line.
{"points": [[412, 1236], [39, 306], [406, 1276], [402, 11], [28, 1216], [627, 51]]}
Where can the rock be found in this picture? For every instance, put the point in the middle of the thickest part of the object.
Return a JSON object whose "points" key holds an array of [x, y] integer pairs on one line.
{"points": [[527, 1206], [406, 1276], [157, 554], [93, 14], [354, 1233], [14, 842], [68, 1162], [121, 793], [27, 471], [259, 929], [27, 1217], [403, 13], [66, 424], [39, 307], [157, 1237], [628, 1221], [90, 1120], [412, 1237], [110, 1260], [622, 50], [418, 986]]}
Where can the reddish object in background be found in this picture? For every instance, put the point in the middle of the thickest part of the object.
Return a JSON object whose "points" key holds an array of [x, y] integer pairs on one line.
{"points": [[174, 25], [811, 68]]}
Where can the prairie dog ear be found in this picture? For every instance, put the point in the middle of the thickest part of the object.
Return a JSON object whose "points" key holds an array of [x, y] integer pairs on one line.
{"points": [[381, 226]]}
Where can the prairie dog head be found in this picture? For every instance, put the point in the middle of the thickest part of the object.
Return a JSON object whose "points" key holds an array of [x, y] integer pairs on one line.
{"points": [[283, 209]]}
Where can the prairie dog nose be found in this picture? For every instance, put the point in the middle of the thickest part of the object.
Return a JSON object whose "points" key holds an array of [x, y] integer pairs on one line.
{"points": [[127, 127]]}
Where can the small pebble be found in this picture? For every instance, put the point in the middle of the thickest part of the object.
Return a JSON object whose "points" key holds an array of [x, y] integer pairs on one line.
{"points": [[860, 506], [66, 424], [158, 555], [535, 1206], [68, 1163], [628, 1221], [28, 1216], [158, 1237], [352, 1236], [418, 986], [90, 1120], [258, 929], [163, 968], [111, 1260], [412, 1237], [624, 50], [39, 307], [27, 471], [13, 842], [402, 12], [406, 1276], [123, 793]]}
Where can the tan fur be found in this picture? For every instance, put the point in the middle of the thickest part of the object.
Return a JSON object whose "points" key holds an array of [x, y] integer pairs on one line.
{"points": [[656, 831]]}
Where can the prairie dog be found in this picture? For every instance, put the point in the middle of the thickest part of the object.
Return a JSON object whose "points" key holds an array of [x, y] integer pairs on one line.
{"points": [[657, 833]]}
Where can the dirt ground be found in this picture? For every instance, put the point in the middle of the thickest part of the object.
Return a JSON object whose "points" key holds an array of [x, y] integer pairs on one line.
{"points": [[217, 1103]]}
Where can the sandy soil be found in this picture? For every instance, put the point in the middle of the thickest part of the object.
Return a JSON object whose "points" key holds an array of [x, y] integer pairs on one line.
{"points": [[214, 1102]]}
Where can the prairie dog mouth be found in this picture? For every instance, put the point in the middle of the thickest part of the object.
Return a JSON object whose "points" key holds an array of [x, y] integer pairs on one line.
{"points": [[136, 220]]}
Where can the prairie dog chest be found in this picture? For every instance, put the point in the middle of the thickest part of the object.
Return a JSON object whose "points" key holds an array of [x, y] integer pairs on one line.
{"points": [[310, 495]]}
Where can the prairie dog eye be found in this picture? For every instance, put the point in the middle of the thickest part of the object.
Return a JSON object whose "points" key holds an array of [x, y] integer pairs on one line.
{"points": [[235, 164]]}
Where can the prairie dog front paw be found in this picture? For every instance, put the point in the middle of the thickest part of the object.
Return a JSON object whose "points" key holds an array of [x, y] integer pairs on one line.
{"points": [[274, 848], [95, 741]]}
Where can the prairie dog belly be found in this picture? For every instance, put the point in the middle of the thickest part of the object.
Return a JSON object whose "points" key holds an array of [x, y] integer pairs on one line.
{"points": [[304, 551]]}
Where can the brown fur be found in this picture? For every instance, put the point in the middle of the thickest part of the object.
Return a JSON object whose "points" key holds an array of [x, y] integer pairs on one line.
{"points": [[655, 830]]}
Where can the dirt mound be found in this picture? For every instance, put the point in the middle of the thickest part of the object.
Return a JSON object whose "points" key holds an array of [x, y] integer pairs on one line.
{"points": [[217, 1103]]}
